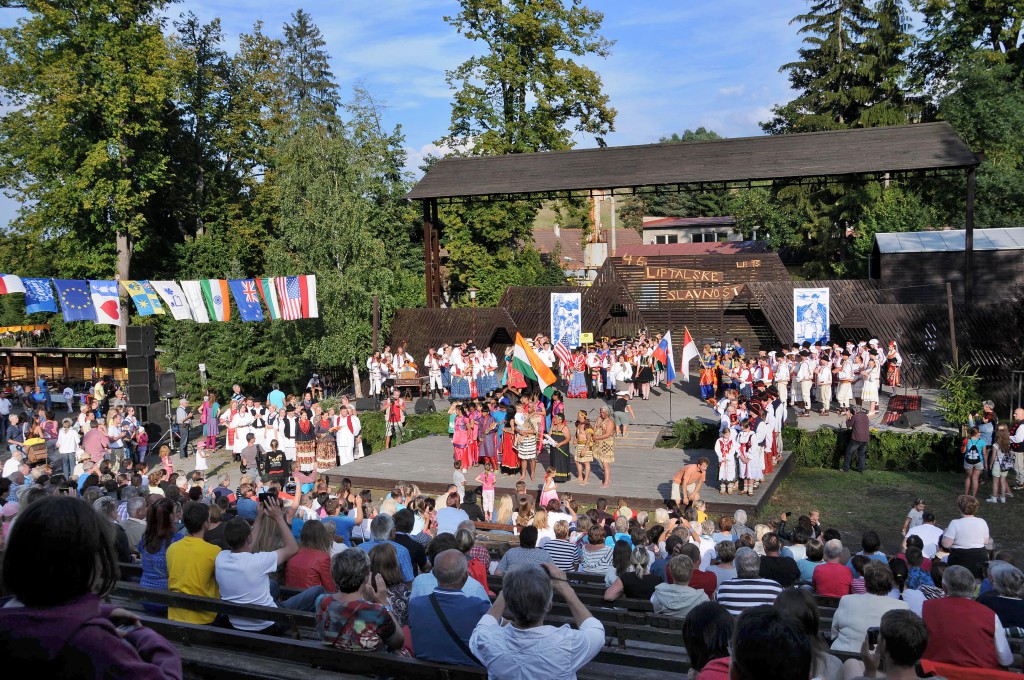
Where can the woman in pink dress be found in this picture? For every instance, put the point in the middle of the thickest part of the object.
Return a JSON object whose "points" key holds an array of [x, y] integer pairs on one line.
{"points": [[460, 439]]}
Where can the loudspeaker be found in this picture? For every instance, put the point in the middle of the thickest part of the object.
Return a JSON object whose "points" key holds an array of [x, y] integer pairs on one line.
{"points": [[909, 420], [367, 404], [140, 364], [140, 341], [424, 405], [791, 414], [167, 385], [140, 395]]}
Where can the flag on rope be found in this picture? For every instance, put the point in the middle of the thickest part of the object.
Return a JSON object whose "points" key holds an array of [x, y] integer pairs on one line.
{"points": [[144, 296], [297, 295], [39, 296], [9, 283], [194, 294], [216, 293], [526, 361], [247, 299], [174, 297], [689, 352], [75, 299], [269, 291], [663, 354], [106, 302]]}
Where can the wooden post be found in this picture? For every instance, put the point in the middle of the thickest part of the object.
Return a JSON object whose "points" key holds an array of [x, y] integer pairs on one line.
{"points": [[435, 258], [969, 238], [428, 253], [67, 368], [35, 367], [952, 326]]}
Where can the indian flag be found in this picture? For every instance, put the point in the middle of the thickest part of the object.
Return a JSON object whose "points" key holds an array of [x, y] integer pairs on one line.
{"points": [[526, 361], [216, 293]]}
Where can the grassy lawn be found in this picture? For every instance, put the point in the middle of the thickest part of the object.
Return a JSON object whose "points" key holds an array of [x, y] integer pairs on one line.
{"points": [[854, 503]]}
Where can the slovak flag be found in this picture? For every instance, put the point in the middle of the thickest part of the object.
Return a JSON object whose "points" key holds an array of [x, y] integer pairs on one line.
{"points": [[689, 352], [9, 283], [663, 353]]}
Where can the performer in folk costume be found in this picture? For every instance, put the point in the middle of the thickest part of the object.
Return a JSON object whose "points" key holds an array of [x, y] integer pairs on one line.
{"points": [[211, 426], [326, 440], [894, 361], [778, 412], [461, 437], [749, 470], [272, 430], [577, 379], [782, 372], [526, 441], [286, 433], [348, 436], [433, 363], [823, 379], [305, 443], [844, 395], [375, 365], [474, 433], [258, 426], [763, 436], [708, 376], [725, 451], [509, 457], [488, 436], [241, 421]]}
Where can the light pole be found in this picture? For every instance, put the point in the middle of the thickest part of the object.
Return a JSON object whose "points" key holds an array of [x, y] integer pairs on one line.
{"points": [[472, 299]]}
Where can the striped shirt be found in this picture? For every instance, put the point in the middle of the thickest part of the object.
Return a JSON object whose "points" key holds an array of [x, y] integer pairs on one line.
{"points": [[562, 553], [739, 594]]}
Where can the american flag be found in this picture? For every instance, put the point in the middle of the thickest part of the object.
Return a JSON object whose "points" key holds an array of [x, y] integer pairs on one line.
{"points": [[562, 353], [290, 297]]}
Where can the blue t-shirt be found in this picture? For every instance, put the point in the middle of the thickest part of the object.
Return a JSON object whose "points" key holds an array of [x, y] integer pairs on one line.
{"points": [[276, 397], [877, 556], [343, 527], [404, 559], [431, 640]]}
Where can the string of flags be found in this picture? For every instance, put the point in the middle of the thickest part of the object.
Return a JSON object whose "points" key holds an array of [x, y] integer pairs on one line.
{"points": [[286, 298]]}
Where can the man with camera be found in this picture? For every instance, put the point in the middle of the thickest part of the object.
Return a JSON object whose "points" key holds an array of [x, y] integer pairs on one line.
{"points": [[394, 410], [897, 645]]}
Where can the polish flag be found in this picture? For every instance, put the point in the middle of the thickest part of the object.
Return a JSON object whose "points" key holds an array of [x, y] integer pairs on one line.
{"points": [[9, 283]]}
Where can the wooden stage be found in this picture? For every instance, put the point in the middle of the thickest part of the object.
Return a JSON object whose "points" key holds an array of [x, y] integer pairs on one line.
{"points": [[641, 475]]}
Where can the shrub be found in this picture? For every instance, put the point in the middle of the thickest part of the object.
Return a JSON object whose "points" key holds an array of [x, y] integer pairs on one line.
{"points": [[416, 427], [693, 433], [887, 450]]}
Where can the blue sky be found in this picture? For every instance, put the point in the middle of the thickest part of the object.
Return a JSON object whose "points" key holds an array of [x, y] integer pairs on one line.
{"points": [[676, 64]]}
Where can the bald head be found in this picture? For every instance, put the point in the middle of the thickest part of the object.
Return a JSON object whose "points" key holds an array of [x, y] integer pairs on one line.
{"points": [[451, 569]]}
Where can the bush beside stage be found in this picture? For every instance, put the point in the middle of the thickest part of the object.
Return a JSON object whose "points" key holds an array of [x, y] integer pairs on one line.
{"points": [[825, 447], [416, 427]]}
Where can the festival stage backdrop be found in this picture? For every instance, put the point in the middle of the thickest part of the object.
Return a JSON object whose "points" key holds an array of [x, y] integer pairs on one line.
{"points": [[810, 314], [566, 320]]}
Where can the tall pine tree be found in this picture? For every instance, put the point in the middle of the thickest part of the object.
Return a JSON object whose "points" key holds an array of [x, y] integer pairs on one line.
{"points": [[308, 82]]}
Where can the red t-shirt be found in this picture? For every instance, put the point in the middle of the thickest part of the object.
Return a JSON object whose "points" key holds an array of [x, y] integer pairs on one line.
{"points": [[832, 580]]}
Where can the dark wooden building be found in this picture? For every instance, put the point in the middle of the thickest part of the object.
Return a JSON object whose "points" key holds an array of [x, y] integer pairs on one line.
{"points": [[421, 329], [607, 309], [917, 265]]}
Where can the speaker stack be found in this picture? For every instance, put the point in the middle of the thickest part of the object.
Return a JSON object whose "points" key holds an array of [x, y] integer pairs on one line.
{"points": [[140, 345]]}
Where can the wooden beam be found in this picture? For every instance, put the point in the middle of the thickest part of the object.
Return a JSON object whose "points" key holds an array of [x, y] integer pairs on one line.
{"points": [[969, 238], [428, 253]]}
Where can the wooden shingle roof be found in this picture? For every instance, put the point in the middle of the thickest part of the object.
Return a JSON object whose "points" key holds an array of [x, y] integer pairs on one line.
{"points": [[895, 149]]}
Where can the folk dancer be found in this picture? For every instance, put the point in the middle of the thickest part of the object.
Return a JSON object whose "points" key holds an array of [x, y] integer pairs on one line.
{"points": [[433, 363], [746, 456], [823, 378], [725, 451], [259, 424], [894, 361], [584, 453], [781, 370], [763, 436], [287, 424], [593, 374], [326, 441], [708, 376], [779, 412], [846, 377], [805, 376], [374, 365], [577, 377], [349, 436], [242, 423]]}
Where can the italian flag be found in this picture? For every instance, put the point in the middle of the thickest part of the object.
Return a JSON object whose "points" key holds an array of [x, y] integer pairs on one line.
{"points": [[216, 293], [526, 361], [268, 288]]}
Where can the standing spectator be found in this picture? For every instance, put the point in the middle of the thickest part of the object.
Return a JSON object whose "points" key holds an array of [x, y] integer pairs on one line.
{"points": [[860, 427], [961, 631], [58, 565], [707, 632], [857, 613], [190, 565], [967, 538], [442, 622], [183, 420], [67, 447], [747, 590], [770, 645], [526, 647]]}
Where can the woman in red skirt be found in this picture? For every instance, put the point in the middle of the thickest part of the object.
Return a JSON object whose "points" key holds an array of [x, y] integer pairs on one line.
{"points": [[509, 457], [460, 439]]}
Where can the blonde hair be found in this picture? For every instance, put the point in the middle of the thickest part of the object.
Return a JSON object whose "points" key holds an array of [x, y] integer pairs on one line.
{"points": [[540, 519], [504, 513]]}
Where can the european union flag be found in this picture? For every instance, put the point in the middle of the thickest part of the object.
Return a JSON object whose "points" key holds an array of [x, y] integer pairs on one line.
{"points": [[75, 300], [39, 296], [247, 298]]}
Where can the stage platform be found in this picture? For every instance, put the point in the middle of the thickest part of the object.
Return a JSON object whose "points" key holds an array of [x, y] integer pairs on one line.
{"points": [[641, 475]]}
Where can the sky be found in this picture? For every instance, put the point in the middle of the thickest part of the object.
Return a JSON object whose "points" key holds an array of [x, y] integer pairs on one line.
{"points": [[675, 64]]}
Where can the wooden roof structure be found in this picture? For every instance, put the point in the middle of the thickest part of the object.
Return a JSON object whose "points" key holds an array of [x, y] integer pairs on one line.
{"points": [[860, 151], [608, 310], [423, 328]]}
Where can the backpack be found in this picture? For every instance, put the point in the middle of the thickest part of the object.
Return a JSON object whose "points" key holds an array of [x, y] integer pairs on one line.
{"points": [[972, 455]]}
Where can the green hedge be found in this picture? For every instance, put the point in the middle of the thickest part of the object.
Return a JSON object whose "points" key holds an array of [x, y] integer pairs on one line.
{"points": [[416, 427], [887, 450], [826, 446]]}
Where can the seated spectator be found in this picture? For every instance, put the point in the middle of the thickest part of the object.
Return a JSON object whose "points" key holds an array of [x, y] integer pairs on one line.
{"points": [[801, 605], [833, 534], [190, 564], [637, 582], [858, 612], [929, 534], [967, 538], [472, 509], [478, 556], [311, 565], [936, 572], [1007, 590], [961, 631], [814, 557], [59, 563], [425, 583], [242, 575], [701, 580], [870, 544], [900, 591], [673, 546], [382, 530], [107, 509], [917, 574], [526, 553], [595, 556], [857, 585], [561, 551], [622, 553], [676, 599], [1001, 556], [135, 522], [153, 547], [724, 532], [769, 645], [384, 562], [915, 542], [902, 640], [336, 510], [356, 617], [527, 647], [448, 517], [430, 635], [247, 506], [405, 521], [621, 533], [748, 589], [726, 568], [707, 632], [739, 527], [782, 570]]}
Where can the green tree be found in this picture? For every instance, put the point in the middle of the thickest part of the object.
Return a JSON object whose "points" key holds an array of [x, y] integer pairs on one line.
{"points": [[89, 83], [897, 210], [886, 46], [308, 82]]}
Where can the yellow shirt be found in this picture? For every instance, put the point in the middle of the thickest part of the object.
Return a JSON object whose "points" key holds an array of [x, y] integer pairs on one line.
{"points": [[190, 570]]}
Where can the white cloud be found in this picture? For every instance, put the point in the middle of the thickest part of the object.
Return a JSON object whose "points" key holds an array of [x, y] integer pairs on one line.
{"points": [[732, 90]]}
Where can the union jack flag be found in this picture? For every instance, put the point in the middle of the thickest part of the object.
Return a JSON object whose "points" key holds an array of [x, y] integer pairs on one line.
{"points": [[249, 289]]}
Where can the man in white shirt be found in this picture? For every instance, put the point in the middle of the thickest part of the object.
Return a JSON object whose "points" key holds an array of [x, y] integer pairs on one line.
{"points": [[349, 436], [526, 647], [929, 534], [242, 575], [547, 355]]}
